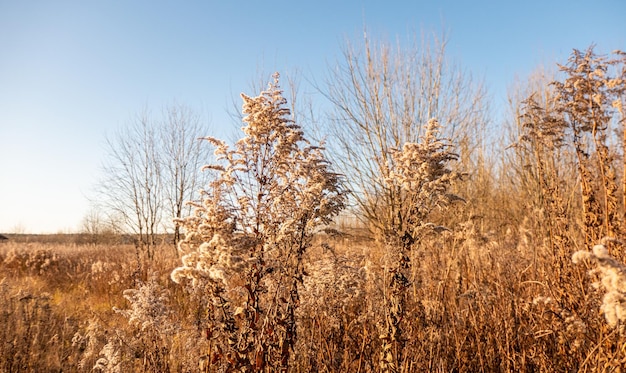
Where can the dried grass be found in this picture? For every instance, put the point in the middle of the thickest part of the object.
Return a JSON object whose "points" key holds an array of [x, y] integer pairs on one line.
{"points": [[484, 295]]}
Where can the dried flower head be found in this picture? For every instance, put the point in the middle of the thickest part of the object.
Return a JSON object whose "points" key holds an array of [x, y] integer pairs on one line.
{"points": [[612, 277], [246, 236]]}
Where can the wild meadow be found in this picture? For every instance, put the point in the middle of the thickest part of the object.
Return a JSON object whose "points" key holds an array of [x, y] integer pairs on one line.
{"points": [[475, 302], [450, 262]]}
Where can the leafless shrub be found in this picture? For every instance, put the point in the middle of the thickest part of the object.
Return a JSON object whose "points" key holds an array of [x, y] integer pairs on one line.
{"points": [[383, 97]]}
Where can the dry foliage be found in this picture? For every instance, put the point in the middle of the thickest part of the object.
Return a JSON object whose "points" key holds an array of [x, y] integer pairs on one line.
{"points": [[247, 236], [383, 96], [263, 287]]}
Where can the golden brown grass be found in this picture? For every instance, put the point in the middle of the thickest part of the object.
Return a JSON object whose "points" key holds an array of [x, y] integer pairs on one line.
{"points": [[487, 294], [475, 303]]}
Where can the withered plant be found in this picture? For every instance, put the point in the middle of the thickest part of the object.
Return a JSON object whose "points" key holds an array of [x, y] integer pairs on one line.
{"points": [[152, 329], [383, 94], [421, 176], [588, 100], [578, 114], [246, 238], [544, 141]]}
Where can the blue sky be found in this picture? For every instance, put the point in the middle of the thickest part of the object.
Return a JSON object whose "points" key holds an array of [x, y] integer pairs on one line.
{"points": [[73, 71]]}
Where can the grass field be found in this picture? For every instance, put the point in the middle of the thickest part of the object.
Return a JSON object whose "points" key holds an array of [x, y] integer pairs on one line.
{"points": [[476, 303], [512, 267]]}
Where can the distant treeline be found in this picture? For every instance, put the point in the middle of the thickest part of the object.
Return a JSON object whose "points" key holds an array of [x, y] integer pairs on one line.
{"points": [[82, 238]]}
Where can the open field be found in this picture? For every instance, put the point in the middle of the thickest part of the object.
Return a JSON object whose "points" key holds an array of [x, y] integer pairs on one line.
{"points": [[476, 303], [465, 265]]}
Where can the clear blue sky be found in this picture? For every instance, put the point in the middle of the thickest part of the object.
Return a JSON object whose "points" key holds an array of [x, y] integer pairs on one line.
{"points": [[73, 71]]}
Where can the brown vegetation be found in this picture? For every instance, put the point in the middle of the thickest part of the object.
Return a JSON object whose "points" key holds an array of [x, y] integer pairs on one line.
{"points": [[519, 278], [474, 303]]}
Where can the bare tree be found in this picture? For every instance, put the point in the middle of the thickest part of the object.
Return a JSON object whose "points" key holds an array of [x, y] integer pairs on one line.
{"points": [[97, 226], [383, 97], [131, 188], [181, 156], [92, 223], [151, 170]]}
